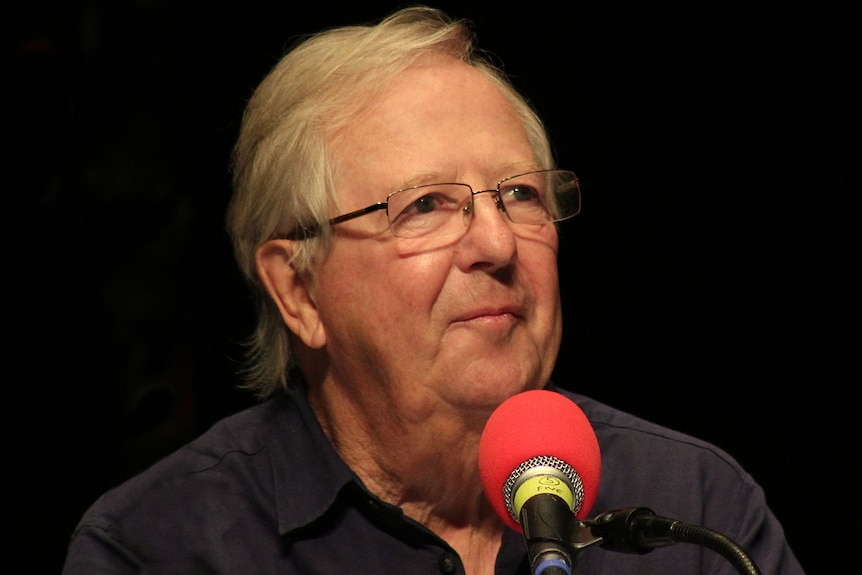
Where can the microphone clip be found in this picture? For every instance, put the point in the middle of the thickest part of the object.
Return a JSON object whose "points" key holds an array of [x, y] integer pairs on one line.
{"points": [[554, 538]]}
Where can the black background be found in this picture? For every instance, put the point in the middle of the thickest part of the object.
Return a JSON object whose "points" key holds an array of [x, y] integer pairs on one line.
{"points": [[706, 285]]}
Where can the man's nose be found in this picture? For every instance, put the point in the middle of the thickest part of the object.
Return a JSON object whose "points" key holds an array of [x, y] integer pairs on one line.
{"points": [[489, 240]]}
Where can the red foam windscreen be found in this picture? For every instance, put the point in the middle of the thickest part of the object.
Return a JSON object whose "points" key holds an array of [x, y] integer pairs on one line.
{"points": [[534, 424]]}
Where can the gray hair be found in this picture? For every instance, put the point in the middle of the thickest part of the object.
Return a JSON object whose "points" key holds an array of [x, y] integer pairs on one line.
{"points": [[283, 175]]}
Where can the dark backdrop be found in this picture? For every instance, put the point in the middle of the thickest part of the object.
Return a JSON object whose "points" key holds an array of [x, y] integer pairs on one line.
{"points": [[706, 285]]}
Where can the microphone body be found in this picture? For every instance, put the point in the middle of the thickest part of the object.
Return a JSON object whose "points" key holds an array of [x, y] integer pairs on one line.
{"points": [[540, 464], [548, 530]]}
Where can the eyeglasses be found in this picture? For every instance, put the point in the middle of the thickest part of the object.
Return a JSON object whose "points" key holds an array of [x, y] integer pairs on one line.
{"points": [[432, 210]]}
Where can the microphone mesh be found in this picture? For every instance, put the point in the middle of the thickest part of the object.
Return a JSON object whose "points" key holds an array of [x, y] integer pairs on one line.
{"points": [[533, 464]]}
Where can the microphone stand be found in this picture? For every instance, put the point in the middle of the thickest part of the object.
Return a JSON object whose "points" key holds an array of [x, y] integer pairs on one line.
{"points": [[639, 530]]}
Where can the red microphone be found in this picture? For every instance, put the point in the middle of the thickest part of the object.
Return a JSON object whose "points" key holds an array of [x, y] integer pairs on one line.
{"points": [[540, 465]]}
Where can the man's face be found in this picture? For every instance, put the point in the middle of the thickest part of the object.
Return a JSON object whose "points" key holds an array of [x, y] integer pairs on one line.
{"points": [[463, 321]]}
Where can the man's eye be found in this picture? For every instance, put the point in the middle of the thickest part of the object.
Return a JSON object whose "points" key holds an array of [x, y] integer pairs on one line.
{"points": [[423, 205], [427, 205], [522, 193]]}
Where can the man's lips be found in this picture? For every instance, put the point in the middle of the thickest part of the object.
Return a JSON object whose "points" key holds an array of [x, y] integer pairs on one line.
{"points": [[490, 313]]}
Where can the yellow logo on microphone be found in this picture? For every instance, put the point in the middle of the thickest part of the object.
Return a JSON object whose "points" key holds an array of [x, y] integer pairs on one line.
{"points": [[542, 483]]}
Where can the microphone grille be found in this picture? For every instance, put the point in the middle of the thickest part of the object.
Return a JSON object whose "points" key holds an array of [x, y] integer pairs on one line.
{"points": [[544, 464]]}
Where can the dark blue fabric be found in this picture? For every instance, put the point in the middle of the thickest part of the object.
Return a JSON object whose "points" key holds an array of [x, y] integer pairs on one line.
{"points": [[264, 492]]}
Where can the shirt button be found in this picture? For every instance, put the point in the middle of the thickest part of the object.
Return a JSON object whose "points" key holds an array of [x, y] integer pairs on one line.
{"points": [[447, 563]]}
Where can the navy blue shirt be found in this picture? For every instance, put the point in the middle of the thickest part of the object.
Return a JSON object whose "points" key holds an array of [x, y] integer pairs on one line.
{"points": [[263, 491]]}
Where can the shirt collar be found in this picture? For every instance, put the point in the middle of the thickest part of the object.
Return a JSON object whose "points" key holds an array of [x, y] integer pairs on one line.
{"points": [[307, 471]]}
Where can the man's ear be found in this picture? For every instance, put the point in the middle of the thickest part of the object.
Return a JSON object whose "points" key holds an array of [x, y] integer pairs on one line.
{"points": [[289, 291]]}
